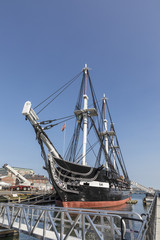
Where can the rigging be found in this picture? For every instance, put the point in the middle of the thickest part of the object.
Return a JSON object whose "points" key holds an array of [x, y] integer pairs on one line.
{"points": [[60, 90]]}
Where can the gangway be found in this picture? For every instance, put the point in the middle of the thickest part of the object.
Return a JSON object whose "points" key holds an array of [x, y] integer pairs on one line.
{"points": [[73, 224], [143, 188]]}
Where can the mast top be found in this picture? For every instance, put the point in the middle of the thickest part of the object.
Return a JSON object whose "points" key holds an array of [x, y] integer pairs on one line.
{"points": [[86, 68], [104, 98]]}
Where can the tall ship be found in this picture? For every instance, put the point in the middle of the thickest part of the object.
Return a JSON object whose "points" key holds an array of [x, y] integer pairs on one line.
{"points": [[91, 173]]}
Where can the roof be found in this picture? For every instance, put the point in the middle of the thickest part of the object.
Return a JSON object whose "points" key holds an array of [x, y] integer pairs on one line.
{"points": [[3, 172], [25, 169], [35, 177]]}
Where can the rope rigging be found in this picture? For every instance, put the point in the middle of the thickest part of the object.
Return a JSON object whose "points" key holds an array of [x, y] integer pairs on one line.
{"points": [[53, 120], [88, 150], [118, 152], [53, 125], [58, 92]]}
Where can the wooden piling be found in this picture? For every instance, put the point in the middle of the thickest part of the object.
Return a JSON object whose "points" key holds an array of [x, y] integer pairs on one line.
{"points": [[8, 233]]}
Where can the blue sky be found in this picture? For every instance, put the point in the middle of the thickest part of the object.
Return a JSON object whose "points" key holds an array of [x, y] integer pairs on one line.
{"points": [[43, 44]]}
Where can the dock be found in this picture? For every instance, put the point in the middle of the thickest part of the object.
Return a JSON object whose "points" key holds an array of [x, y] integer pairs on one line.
{"points": [[158, 219], [27, 197], [8, 233]]}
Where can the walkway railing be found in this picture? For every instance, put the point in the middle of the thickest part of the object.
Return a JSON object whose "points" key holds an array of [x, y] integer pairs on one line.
{"points": [[148, 229], [66, 223], [62, 223]]}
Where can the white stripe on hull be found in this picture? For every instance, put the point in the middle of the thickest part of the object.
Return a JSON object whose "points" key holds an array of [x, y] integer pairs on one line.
{"points": [[96, 184]]}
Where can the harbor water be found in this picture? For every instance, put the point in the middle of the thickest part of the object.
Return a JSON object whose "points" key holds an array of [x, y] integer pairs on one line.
{"points": [[138, 208]]}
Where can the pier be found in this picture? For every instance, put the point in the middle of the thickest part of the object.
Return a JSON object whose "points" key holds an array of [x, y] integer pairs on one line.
{"points": [[28, 197]]}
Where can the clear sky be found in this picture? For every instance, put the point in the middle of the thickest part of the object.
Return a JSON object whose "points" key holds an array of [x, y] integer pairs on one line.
{"points": [[43, 44]]}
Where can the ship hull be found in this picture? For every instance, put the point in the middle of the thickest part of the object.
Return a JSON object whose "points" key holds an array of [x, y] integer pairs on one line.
{"points": [[94, 197], [92, 204], [94, 189]]}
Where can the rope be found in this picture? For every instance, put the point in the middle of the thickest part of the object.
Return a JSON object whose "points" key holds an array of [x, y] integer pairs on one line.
{"points": [[120, 158], [88, 150], [65, 86], [52, 125], [50, 121]]}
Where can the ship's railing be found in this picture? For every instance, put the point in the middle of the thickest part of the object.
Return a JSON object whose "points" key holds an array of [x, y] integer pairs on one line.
{"points": [[67, 223]]}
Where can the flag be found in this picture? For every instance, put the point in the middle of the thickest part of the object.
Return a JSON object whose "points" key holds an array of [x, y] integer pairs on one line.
{"points": [[63, 127]]}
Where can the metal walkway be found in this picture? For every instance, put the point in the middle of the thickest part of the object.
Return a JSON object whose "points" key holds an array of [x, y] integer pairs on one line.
{"points": [[62, 223]]}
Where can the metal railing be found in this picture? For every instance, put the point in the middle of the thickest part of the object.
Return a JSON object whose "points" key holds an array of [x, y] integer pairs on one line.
{"points": [[148, 229], [68, 223]]}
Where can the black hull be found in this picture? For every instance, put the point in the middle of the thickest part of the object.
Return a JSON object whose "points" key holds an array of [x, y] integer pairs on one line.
{"points": [[91, 197], [83, 186]]}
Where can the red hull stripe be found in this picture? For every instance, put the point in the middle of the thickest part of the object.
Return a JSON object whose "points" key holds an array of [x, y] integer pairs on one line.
{"points": [[99, 204]]}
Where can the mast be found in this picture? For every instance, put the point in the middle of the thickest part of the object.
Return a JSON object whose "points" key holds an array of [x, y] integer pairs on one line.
{"points": [[105, 128], [85, 112], [113, 147], [114, 157], [85, 117]]}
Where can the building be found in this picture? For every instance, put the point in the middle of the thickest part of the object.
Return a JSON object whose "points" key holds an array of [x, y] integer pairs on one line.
{"points": [[39, 181]]}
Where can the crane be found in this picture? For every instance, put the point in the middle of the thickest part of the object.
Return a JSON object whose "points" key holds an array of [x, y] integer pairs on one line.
{"points": [[24, 184]]}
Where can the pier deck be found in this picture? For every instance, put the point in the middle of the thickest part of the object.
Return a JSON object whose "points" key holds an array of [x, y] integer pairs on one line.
{"points": [[158, 219]]}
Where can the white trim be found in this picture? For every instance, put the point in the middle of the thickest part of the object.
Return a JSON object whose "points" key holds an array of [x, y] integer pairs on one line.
{"points": [[96, 184]]}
